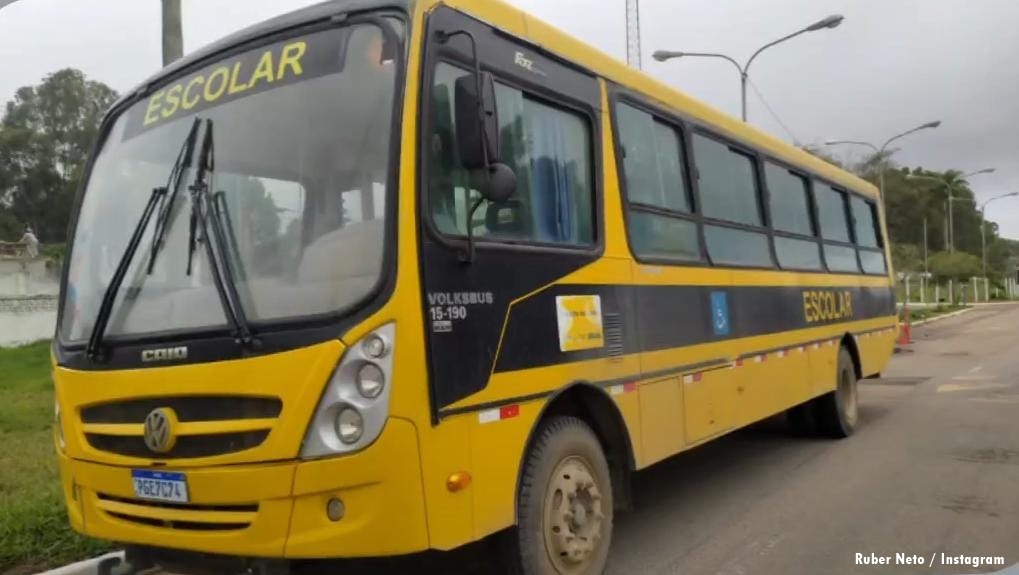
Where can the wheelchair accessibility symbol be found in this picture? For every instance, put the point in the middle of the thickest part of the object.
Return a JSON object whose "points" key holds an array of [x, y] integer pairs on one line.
{"points": [[720, 312]]}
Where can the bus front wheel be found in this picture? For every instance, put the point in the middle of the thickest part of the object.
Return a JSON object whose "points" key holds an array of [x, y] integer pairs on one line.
{"points": [[564, 506], [836, 413]]}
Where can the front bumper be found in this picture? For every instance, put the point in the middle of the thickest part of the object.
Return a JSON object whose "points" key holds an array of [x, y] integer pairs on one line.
{"points": [[272, 510]]}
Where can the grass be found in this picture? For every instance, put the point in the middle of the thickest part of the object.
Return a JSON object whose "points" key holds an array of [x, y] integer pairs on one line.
{"points": [[919, 314], [34, 532]]}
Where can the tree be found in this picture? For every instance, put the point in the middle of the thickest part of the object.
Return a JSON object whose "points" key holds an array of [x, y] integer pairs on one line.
{"points": [[958, 266], [964, 217], [9, 225], [45, 137], [906, 206], [999, 252], [907, 258]]}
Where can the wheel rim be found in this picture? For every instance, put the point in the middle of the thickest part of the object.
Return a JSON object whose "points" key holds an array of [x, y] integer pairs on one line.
{"points": [[847, 395], [573, 516]]}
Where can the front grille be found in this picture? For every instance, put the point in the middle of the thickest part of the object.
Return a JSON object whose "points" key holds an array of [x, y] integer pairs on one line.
{"points": [[118, 427], [180, 516], [186, 446], [189, 408]]}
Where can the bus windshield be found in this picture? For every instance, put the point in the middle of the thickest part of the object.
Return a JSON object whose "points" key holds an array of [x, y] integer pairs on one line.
{"points": [[302, 145]]}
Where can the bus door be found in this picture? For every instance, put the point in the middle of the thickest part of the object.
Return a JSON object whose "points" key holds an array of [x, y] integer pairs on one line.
{"points": [[493, 308]]}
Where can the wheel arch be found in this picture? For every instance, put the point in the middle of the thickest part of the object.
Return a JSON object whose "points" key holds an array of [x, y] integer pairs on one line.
{"points": [[849, 343], [595, 407]]}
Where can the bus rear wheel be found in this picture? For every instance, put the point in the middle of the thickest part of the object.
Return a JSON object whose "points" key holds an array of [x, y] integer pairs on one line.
{"points": [[836, 413], [564, 506]]}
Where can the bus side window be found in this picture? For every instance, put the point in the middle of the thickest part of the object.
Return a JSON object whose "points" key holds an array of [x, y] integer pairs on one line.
{"points": [[659, 214], [727, 183], [868, 239], [832, 209], [443, 160], [548, 148], [792, 220]]}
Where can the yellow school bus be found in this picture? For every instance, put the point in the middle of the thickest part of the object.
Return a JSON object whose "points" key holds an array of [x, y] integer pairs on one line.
{"points": [[384, 276]]}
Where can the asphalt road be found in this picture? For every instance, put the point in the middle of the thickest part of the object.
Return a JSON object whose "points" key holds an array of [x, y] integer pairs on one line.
{"points": [[934, 468]]}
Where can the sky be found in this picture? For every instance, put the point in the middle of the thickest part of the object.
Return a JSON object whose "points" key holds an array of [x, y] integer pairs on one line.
{"points": [[890, 66]]}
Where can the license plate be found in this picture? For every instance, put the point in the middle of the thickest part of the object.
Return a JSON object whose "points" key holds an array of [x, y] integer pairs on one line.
{"points": [[160, 485]]}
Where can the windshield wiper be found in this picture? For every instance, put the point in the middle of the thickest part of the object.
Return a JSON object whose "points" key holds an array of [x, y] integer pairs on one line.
{"points": [[173, 184], [94, 348], [222, 212], [222, 275]]}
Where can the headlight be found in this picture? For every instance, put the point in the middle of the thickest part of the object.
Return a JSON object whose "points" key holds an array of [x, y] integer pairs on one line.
{"points": [[355, 403], [370, 380], [349, 425], [375, 346]]}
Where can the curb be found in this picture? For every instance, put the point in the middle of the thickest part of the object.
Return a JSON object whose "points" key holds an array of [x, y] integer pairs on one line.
{"points": [[945, 316], [86, 567]]}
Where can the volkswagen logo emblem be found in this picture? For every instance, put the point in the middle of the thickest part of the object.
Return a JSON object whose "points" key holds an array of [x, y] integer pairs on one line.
{"points": [[160, 430]]}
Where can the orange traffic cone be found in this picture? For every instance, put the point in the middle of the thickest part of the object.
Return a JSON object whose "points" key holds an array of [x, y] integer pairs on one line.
{"points": [[905, 338]]}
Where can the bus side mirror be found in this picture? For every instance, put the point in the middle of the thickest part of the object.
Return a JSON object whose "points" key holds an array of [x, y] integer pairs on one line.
{"points": [[477, 138], [477, 121], [498, 182]]}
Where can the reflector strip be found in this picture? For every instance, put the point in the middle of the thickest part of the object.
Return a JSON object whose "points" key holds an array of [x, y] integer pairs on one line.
{"points": [[504, 412], [692, 378], [508, 411], [621, 389]]}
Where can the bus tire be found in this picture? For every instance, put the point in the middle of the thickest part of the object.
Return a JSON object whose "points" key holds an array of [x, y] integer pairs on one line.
{"points": [[564, 504], [836, 413]]}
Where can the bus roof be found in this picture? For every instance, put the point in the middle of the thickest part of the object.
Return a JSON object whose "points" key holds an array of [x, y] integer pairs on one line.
{"points": [[515, 21]]}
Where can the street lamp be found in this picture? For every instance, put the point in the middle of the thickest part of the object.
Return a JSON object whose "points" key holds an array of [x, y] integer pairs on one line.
{"points": [[983, 226], [880, 151], [825, 23], [948, 187], [978, 172], [983, 229]]}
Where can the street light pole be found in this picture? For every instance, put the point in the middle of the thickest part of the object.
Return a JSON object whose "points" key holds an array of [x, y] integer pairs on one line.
{"points": [[983, 226], [879, 152], [950, 211], [926, 271], [826, 23], [173, 38]]}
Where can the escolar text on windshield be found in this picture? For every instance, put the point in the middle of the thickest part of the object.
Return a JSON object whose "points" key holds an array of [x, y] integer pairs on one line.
{"points": [[245, 74]]}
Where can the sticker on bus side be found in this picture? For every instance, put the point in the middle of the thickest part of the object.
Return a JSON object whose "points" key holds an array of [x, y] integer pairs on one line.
{"points": [[720, 312], [239, 76], [579, 321]]}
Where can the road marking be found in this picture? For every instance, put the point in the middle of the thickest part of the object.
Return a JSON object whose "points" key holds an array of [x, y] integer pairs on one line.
{"points": [[998, 399], [974, 378], [976, 369], [953, 387]]}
